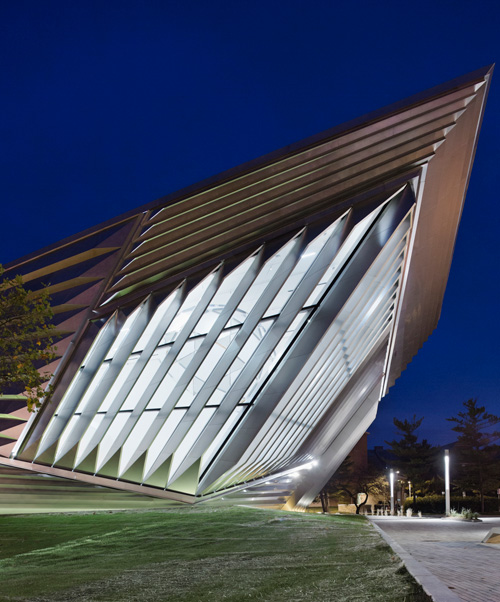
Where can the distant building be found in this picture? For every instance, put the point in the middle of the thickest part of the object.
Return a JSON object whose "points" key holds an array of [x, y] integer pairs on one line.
{"points": [[234, 340]]}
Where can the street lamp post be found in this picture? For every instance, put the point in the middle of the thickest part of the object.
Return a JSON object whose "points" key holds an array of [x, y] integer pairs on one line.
{"points": [[391, 481], [447, 481]]}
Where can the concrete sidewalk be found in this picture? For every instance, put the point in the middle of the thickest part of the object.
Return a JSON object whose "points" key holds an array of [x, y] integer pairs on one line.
{"points": [[446, 556]]}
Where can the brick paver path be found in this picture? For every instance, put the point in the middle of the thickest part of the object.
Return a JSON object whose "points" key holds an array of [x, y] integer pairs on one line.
{"points": [[452, 551]]}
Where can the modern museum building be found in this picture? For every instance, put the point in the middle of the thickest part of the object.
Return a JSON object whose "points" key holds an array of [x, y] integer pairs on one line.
{"points": [[233, 340]]}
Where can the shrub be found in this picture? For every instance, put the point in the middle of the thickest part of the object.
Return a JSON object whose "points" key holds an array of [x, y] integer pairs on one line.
{"points": [[469, 515], [435, 504]]}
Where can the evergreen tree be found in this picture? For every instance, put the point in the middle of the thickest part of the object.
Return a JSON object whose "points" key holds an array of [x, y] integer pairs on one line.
{"points": [[26, 343], [413, 458], [478, 456]]}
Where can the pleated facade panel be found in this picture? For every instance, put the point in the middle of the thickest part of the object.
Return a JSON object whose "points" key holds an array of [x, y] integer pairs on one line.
{"points": [[204, 368]]}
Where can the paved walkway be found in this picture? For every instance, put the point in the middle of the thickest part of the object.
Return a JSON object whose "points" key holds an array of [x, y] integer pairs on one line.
{"points": [[447, 556]]}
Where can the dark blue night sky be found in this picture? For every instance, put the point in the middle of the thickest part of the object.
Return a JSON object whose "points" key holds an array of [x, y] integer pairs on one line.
{"points": [[107, 105]]}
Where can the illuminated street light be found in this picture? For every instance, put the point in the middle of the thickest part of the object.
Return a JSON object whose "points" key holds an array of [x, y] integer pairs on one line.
{"points": [[447, 481], [391, 481]]}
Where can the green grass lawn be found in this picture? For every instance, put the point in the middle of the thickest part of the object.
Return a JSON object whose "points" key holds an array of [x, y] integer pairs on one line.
{"points": [[198, 554]]}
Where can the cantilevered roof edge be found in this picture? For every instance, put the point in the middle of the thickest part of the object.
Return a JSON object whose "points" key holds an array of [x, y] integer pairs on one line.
{"points": [[232, 173], [476, 76]]}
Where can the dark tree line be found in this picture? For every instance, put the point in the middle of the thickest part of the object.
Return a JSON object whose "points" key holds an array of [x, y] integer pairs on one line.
{"points": [[475, 466], [475, 454]]}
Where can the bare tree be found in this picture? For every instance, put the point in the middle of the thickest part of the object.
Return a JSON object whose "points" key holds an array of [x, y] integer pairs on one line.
{"points": [[358, 482]]}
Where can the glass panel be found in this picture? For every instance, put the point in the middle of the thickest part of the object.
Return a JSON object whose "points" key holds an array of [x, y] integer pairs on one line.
{"points": [[66, 434], [99, 339], [145, 377], [259, 285], [163, 437], [221, 436], [117, 385], [186, 310], [306, 260], [81, 371], [275, 356], [191, 437], [239, 363], [156, 323], [135, 438], [343, 254], [87, 437], [68, 393], [174, 374], [82, 406], [221, 298], [125, 329], [207, 367], [111, 434]]}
